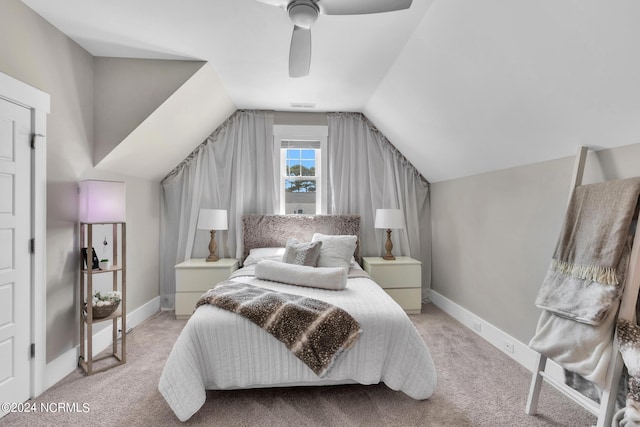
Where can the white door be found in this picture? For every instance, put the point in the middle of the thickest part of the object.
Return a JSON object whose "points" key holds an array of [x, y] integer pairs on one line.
{"points": [[15, 257]]}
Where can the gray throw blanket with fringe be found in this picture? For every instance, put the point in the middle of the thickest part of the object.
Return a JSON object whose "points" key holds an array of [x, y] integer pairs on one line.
{"points": [[583, 281], [315, 331]]}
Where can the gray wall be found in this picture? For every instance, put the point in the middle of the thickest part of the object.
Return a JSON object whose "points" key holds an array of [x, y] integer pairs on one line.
{"points": [[38, 54], [127, 91], [299, 118], [494, 233]]}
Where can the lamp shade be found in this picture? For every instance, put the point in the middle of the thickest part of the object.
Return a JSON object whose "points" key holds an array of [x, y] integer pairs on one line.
{"points": [[102, 201], [389, 218], [212, 219]]}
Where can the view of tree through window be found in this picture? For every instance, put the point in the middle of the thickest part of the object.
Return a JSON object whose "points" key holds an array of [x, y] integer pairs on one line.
{"points": [[301, 164]]}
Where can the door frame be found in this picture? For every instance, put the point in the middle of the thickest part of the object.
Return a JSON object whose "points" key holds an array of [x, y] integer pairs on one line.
{"points": [[38, 103]]}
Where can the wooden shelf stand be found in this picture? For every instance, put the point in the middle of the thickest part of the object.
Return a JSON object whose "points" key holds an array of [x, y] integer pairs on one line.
{"points": [[118, 351]]}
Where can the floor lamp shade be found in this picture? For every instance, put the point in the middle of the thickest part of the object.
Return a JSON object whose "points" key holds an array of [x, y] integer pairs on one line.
{"points": [[102, 201], [389, 219]]}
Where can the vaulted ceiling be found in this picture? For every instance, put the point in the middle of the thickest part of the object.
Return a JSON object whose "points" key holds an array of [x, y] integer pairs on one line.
{"points": [[460, 87]]}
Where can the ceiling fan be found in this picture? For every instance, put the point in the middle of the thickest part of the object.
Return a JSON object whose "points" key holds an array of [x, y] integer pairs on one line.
{"points": [[303, 13]]}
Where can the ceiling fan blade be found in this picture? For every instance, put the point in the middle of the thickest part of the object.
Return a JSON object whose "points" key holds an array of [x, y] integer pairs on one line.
{"points": [[359, 7], [277, 3], [300, 52]]}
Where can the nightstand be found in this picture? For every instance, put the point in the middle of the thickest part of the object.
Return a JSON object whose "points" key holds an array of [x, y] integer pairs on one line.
{"points": [[400, 278], [194, 277]]}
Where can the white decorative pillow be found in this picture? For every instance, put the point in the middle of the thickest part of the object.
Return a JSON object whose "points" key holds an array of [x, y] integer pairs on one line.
{"points": [[334, 279], [336, 250], [258, 254], [302, 253]]}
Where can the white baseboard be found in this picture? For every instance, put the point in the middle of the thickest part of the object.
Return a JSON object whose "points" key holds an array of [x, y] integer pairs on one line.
{"points": [[143, 312], [521, 353], [66, 363]]}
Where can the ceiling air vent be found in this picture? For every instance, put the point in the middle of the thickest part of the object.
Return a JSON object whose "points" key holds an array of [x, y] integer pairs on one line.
{"points": [[302, 105]]}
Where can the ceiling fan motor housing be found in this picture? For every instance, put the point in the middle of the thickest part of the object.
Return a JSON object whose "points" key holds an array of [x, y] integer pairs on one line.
{"points": [[303, 13]]}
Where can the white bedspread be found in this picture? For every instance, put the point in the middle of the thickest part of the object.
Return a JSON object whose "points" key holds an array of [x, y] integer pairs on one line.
{"points": [[221, 350]]}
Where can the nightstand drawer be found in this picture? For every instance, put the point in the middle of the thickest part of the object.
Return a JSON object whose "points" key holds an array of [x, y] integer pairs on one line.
{"points": [[400, 278], [394, 276], [199, 279], [403, 272], [409, 299], [185, 303], [196, 276]]}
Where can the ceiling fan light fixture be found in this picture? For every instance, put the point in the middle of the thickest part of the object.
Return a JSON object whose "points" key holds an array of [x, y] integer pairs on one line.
{"points": [[303, 13]]}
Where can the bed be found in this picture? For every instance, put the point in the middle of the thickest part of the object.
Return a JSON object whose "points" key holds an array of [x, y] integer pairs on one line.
{"points": [[221, 350]]}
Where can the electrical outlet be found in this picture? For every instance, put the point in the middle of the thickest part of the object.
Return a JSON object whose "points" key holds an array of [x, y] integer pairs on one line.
{"points": [[477, 326], [508, 346]]}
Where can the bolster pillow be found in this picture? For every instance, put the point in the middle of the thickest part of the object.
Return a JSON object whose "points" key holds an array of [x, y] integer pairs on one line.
{"points": [[333, 278]]}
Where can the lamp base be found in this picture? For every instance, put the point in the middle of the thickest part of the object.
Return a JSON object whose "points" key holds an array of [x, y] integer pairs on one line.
{"points": [[388, 246], [213, 257]]}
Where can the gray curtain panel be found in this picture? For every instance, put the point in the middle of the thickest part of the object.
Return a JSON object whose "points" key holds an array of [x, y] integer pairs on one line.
{"points": [[366, 172], [235, 170]]}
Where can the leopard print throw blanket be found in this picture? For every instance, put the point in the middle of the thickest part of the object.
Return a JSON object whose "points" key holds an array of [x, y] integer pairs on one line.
{"points": [[316, 332], [628, 337]]}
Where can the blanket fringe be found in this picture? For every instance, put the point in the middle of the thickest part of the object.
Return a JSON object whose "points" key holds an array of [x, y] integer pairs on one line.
{"points": [[595, 273]]}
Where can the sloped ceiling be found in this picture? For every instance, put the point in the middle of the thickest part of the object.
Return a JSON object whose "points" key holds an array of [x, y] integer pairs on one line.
{"points": [[487, 85], [460, 87], [172, 130]]}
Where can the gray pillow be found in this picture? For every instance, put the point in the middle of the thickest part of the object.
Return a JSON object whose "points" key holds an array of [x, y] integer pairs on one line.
{"points": [[302, 253]]}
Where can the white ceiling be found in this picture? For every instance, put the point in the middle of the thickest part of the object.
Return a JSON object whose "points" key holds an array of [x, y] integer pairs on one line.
{"points": [[459, 86], [247, 43]]}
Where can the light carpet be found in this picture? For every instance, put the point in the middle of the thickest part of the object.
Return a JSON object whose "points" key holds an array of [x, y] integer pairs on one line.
{"points": [[478, 385]]}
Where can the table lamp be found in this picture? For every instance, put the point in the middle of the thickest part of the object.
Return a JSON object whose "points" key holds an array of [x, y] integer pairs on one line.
{"points": [[212, 220], [389, 219]]}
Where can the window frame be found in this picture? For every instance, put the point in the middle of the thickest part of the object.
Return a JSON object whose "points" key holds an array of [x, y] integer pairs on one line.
{"points": [[302, 133]]}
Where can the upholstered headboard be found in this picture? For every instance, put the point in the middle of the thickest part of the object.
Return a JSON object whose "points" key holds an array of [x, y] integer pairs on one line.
{"points": [[267, 231]]}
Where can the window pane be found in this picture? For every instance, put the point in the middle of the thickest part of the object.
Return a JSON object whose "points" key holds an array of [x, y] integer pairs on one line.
{"points": [[301, 168], [300, 185], [293, 153], [308, 167], [308, 154], [300, 196], [293, 168]]}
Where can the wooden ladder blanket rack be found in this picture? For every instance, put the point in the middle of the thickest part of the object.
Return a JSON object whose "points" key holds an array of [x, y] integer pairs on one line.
{"points": [[627, 311]]}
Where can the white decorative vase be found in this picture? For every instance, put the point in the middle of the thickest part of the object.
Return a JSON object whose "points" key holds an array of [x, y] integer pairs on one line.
{"points": [[105, 265]]}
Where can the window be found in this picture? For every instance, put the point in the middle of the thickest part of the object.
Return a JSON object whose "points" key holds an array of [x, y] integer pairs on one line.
{"points": [[299, 178], [302, 170]]}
